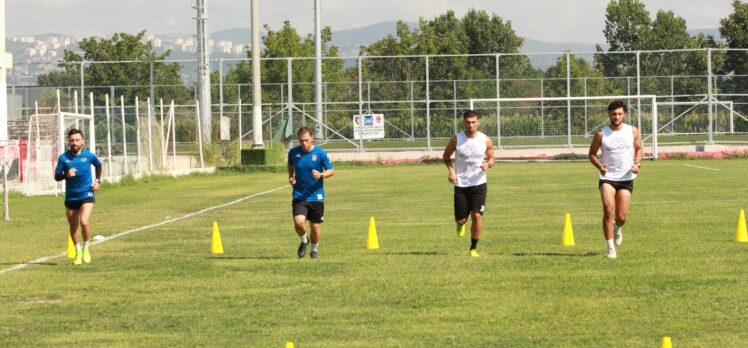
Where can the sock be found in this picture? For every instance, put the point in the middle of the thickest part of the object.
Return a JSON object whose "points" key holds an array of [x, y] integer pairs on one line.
{"points": [[304, 239], [85, 244], [78, 247], [610, 244], [616, 227], [315, 246], [473, 243]]}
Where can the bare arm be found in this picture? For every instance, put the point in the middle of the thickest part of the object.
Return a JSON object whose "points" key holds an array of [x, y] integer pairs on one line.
{"points": [[490, 160], [597, 141], [291, 177], [97, 182], [637, 151], [447, 157]]}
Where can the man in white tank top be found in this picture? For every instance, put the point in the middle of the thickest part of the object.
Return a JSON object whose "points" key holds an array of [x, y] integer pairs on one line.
{"points": [[473, 157], [618, 164]]}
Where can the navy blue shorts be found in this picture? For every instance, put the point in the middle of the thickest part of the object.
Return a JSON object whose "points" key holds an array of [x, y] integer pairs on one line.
{"points": [[618, 185], [76, 205], [313, 211]]}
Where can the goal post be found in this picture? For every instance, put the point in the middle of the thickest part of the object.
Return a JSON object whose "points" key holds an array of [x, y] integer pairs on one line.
{"points": [[562, 121], [46, 141]]}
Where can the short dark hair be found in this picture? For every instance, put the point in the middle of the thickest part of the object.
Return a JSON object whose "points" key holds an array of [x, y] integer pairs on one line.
{"points": [[75, 131], [303, 130], [470, 114], [617, 104]]}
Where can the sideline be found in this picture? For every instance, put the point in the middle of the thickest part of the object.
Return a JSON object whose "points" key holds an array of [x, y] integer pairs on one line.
{"points": [[700, 167]]}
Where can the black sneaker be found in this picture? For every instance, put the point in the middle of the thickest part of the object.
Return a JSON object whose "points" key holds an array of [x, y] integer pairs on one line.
{"points": [[313, 254], [302, 249]]}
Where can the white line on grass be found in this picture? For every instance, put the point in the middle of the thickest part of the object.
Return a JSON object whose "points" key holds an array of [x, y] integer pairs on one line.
{"points": [[700, 167], [124, 233]]}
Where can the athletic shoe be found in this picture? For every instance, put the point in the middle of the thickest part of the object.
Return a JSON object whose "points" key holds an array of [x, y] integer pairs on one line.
{"points": [[474, 253], [302, 249], [618, 231], [86, 256], [460, 230], [78, 258], [611, 254], [313, 254]]}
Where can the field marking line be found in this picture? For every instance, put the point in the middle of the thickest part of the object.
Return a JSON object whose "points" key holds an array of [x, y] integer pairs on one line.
{"points": [[124, 233], [700, 167]]}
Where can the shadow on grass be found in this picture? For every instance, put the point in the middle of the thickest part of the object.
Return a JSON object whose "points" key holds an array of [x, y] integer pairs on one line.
{"points": [[417, 253], [29, 263], [245, 257], [558, 254]]}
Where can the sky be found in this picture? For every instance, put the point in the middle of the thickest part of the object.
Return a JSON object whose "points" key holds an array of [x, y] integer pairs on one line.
{"points": [[557, 21]]}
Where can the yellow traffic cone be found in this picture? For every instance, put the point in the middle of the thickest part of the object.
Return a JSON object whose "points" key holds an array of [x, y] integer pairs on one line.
{"points": [[289, 345], [372, 242], [741, 235], [567, 239], [216, 247], [71, 248], [666, 342]]}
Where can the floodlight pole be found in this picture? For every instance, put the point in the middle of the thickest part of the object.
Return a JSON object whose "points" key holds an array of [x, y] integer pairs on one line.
{"points": [[317, 70], [203, 68], [256, 87]]}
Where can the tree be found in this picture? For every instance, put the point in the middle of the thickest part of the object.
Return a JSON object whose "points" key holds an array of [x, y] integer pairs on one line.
{"points": [[582, 75], [626, 29], [285, 43], [460, 77], [734, 29], [131, 78]]}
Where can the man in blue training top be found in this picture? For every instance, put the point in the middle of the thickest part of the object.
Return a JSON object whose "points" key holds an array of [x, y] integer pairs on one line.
{"points": [[308, 166], [74, 166]]}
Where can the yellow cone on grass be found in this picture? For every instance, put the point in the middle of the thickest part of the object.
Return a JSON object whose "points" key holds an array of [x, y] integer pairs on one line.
{"points": [[666, 342], [216, 247], [289, 345], [740, 234], [567, 239], [372, 242], [71, 247]]}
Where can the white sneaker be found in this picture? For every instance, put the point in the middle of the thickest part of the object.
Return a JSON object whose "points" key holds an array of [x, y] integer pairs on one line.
{"points": [[618, 232], [611, 254]]}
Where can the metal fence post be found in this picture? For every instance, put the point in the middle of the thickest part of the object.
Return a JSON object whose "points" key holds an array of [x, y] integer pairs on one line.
{"points": [[220, 89], [428, 108], [83, 84], [568, 101], [498, 104], [710, 96], [638, 91], [360, 101], [542, 109]]}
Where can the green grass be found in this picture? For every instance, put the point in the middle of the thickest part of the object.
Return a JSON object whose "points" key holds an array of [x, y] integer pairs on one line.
{"points": [[679, 273]]}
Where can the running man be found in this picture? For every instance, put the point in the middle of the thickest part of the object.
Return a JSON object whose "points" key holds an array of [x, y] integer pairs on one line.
{"points": [[308, 166], [619, 163], [74, 166], [473, 157]]}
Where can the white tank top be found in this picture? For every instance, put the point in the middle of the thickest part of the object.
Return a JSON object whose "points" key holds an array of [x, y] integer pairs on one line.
{"points": [[618, 153], [469, 156]]}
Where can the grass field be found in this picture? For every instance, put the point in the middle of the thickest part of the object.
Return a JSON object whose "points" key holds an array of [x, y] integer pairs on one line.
{"points": [[679, 272]]}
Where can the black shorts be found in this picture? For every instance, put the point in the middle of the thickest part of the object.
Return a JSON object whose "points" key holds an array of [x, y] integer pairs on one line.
{"points": [[618, 185], [76, 205], [469, 199], [313, 211]]}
